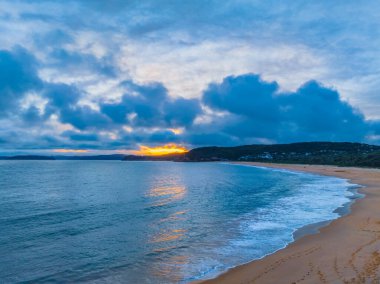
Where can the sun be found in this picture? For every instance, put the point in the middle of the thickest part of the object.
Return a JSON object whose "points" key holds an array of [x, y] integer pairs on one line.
{"points": [[167, 149]]}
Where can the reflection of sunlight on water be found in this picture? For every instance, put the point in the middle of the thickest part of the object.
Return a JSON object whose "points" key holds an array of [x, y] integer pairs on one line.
{"points": [[166, 266], [166, 195], [164, 249], [177, 216], [169, 236]]}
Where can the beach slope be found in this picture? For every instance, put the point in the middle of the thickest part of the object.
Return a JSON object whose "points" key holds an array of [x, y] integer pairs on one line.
{"points": [[345, 251]]}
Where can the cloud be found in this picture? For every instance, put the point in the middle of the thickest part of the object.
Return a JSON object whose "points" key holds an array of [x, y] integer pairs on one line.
{"points": [[210, 138], [54, 37], [64, 101], [81, 63], [241, 109], [181, 112], [32, 116], [256, 109], [61, 95], [78, 136], [320, 112], [84, 117], [18, 75], [149, 105], [246, 95]]}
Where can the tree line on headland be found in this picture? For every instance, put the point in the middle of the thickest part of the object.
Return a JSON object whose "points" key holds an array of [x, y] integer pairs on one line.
{"points": [[320, 153]]}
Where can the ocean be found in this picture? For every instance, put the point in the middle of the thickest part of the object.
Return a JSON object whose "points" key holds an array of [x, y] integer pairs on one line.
{"points": [[150, 222]]}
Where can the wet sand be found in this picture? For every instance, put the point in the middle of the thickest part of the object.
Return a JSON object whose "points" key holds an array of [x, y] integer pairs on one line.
{"points": [[347, 250]]}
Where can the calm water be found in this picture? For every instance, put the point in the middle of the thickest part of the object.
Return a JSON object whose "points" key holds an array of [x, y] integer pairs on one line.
{"points": [[149, 222]]}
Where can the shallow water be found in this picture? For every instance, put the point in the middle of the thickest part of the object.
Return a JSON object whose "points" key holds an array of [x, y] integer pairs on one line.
{"points": [[150, 222]]}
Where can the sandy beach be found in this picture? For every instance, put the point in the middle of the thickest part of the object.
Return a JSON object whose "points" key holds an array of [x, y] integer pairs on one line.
{"points": [[345, 251]]}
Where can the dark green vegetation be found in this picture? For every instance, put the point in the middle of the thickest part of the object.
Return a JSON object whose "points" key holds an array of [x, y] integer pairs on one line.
{"points": [[318, 153], [326, 153]]}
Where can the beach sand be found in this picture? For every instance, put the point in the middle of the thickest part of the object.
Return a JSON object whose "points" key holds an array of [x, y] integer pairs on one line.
{"points": [[345, 251]]}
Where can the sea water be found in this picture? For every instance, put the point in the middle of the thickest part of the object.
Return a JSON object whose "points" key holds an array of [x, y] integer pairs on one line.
{"points": [[150, 222]]}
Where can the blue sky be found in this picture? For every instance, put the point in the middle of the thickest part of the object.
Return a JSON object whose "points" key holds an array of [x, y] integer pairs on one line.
{"points": [[108, 76]]}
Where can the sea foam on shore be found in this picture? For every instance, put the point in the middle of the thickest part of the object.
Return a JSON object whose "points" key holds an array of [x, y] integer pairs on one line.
{"points": [[313, 204]]}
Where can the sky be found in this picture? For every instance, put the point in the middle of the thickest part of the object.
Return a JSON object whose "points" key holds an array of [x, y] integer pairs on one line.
{"points": [[112, 76]]}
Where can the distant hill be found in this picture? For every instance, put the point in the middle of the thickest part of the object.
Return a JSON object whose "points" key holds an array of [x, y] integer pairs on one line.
{"points": [[28, 157], [328, 153], [117, 157]]}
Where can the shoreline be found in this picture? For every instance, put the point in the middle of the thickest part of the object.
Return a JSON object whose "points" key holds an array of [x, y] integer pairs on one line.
{"points": [[343, 250], [344, 210]]}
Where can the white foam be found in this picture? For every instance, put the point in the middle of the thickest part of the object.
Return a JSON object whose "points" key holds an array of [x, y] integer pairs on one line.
{"points": [[266, 225]]}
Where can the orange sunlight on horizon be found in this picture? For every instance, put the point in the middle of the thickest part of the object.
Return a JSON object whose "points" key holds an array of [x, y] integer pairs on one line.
{"points": [[70, 151], [167, 149]]}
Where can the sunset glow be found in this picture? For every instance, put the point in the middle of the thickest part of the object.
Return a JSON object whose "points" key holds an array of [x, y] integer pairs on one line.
{"points": [[167, 149], [70, 151], [176, 130]]}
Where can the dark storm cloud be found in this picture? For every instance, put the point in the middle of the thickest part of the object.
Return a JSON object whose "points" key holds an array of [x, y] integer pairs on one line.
{"points": [[244, 95], [18, 75], [320, 112], [164, 136], [181, 112], [374, 126], [78, 136], [84, 117], [147, 137], [61, 95], [150, 105], [32, 116], [211, 138], [63, 100], [259, 110]]}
